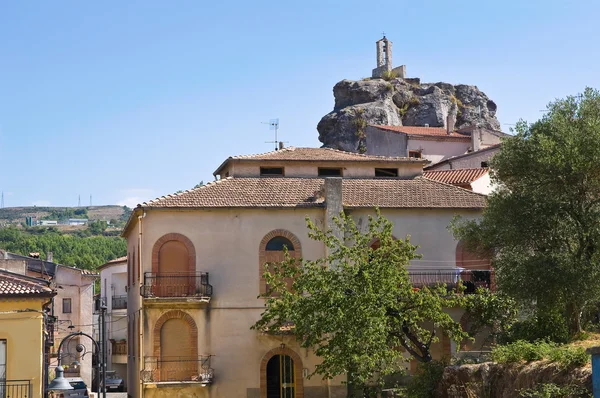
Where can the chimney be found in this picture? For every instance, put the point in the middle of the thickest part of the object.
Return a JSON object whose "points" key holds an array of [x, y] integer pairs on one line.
{"points": [[281, 145], [49, 257], [333, 205], [5, 254], [450, 122], [426, 125]]}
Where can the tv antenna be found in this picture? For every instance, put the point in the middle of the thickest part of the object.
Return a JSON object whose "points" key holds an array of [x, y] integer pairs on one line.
{"points": [[2, 202], [79, 201], [274, 125]]}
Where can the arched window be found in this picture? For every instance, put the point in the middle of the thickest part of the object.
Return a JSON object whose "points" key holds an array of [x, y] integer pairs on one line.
{"points": [[272, 250], [278, 243]]}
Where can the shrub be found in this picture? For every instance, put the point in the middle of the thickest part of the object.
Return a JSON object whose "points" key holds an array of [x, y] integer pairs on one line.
{"points": [[569, 357], [389, 75], [551, 390], [425, 382], [564, 356]]}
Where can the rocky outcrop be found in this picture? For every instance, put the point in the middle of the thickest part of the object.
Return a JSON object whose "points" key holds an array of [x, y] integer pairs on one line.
{"points": [[504, 381], [401, 102]]}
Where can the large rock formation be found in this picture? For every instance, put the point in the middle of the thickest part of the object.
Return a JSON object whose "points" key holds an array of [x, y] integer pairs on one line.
{"points": [[400, 102]]}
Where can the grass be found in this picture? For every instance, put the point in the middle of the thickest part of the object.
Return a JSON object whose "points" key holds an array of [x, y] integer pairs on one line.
{"points": [[566, 356]]}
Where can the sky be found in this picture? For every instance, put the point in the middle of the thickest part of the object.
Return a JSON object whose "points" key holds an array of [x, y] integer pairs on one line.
{"points": [[128, 101]]}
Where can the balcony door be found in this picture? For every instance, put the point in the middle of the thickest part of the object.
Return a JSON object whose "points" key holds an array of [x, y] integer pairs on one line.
{"points": [[178, 360], [173, 279], [281, 381]]}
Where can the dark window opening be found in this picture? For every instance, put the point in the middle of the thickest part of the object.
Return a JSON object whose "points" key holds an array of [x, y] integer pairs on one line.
{"points": [[414, 154], [386, 172], [271, 171], [66, 306], [484, 164], [330, 172], [278, 243]]}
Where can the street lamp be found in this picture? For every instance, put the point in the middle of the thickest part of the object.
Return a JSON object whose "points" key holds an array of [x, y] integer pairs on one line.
{"points": [[60, 383]]}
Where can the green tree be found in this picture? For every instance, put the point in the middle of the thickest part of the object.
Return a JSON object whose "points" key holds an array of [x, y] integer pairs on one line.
{"points": [[541, 226], [356, 307]]}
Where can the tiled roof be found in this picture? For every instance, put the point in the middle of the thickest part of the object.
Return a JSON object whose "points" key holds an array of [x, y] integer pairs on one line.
{"points": [[118, 260], [465, 155], [438, 132], [457, 176], [293, 153], [307, 192], [317, 154], [12, 284]]}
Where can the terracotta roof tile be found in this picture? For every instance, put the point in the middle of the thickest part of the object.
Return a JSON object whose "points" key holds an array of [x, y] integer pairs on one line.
{"points": [[12, 284], [307, 192], [294, 153], [439, 132], [456, 176]]}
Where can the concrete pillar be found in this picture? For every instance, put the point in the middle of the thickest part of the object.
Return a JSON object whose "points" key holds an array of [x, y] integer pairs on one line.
{"points": [[595, 352]]}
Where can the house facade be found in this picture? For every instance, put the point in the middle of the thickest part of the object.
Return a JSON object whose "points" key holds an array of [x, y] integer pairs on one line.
{"points": [[24, 307], [113, 290], [195, 263], [72, 307], [435, 144]]}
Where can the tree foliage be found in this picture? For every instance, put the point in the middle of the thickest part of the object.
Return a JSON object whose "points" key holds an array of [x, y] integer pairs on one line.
{"points": [[68, 249], [356, 307], [542, 224]]}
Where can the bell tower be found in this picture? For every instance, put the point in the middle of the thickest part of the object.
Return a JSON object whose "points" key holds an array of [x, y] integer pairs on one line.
{"points": [[384, 60]]}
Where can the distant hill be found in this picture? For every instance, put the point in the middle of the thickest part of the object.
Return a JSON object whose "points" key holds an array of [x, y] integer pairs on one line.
{"points": [[17, 215]]}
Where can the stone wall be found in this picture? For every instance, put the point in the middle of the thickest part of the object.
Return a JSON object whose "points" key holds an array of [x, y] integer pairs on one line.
{"points": [[504, 381]]}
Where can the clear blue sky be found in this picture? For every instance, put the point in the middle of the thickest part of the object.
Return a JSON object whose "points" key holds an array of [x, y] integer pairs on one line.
{"points": [[131, 100]]}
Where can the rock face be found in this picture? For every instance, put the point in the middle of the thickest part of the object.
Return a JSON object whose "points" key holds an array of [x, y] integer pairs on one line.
{"points": [[400, 102], [493, 380]]}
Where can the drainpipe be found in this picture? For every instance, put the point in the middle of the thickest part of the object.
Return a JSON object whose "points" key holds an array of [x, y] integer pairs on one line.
{"points": [[141, 316]]}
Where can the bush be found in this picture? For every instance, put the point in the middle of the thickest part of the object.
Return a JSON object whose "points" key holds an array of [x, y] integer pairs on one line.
{"points": [[389, 75], [425, 382], [551, 390], [519, 351], [550, 327]]}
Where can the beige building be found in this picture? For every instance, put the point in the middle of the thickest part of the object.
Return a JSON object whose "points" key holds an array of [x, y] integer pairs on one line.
{"points": [[195, 265], [113, 289]]}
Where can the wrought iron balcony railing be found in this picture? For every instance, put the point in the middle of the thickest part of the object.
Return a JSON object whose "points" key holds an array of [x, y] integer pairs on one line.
{"points": [[178, 369], [119, 302], [177, 284], [15, 388], [471, 279]]}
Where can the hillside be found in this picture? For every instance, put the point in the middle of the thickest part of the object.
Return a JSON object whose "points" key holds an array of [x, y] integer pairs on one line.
{"points": [[17, 215]]}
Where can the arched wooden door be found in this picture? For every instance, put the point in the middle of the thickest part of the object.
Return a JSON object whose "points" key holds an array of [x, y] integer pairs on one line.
{"points": [[173, 279], [281, 377], [177, 360]]}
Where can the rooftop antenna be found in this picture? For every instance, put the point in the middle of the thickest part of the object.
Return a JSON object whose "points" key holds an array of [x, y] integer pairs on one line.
{"points": [[2, 201], [274, 125], [79, 201], [90, 200]]}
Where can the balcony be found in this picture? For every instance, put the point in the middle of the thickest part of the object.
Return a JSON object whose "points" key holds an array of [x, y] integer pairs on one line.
{"points": [[119, 351], [15, 388], [119, 302], [178, 370], [181, 286], [470, 279]]}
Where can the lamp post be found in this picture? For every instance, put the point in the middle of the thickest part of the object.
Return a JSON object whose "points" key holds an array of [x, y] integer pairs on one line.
{"points": [[59, 382]]}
